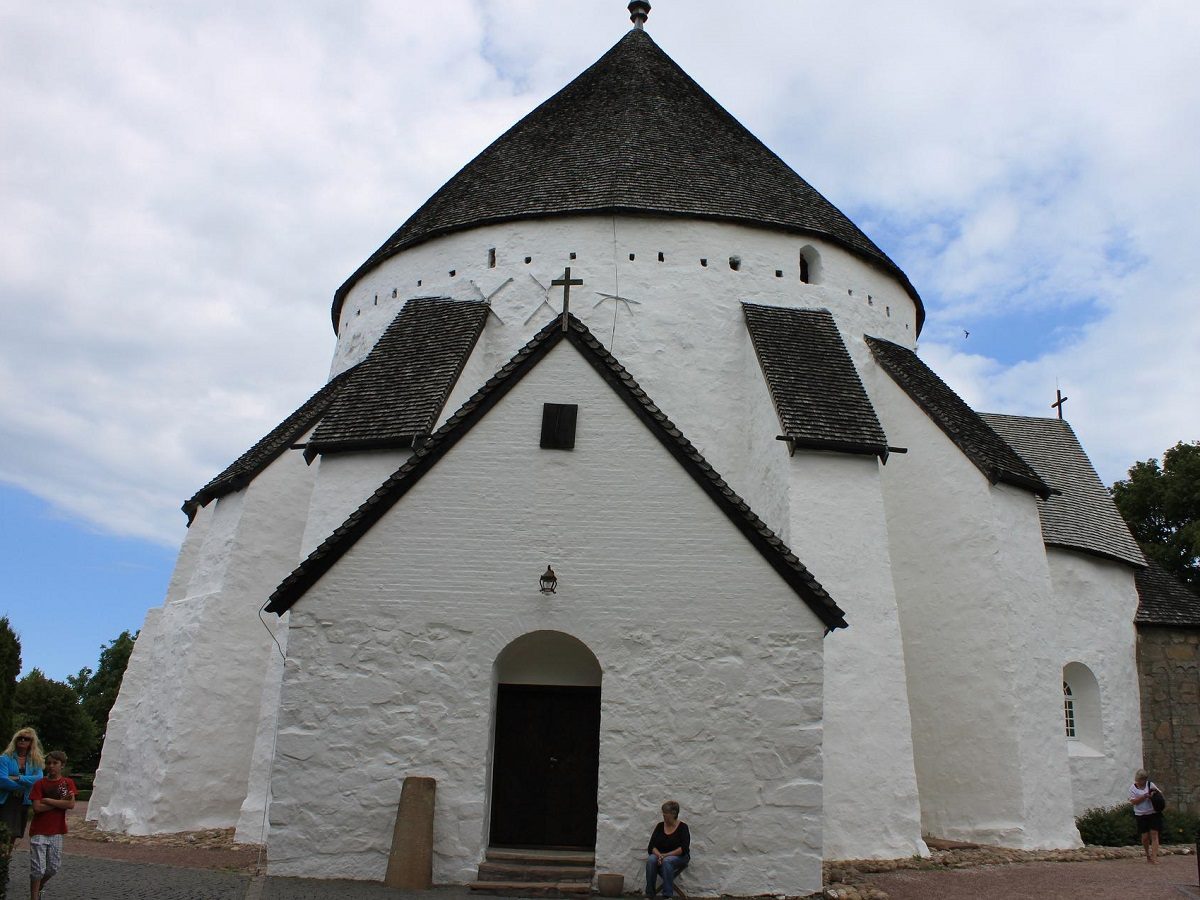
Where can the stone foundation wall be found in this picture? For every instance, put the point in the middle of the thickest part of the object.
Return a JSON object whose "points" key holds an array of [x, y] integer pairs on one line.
{"points": [[1169, 672]]}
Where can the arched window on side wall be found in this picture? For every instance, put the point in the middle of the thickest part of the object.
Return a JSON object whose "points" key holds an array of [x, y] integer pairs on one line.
{"points": [[810, 265], [1083, 717]]}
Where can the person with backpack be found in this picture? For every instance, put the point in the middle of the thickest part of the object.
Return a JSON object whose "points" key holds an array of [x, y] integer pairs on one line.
{"points": [[1148, 803]]}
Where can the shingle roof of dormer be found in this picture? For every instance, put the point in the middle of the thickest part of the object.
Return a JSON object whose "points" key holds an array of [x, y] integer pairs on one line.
{"points": [[818, 396], [398, 391], [632, 134]]}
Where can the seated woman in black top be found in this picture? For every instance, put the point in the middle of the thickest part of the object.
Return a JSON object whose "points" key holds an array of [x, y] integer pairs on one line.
{"points": [[668, 852]]}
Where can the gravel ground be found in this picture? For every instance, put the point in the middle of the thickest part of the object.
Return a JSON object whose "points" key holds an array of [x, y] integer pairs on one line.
{"points": [[1117, 879], [208, 866]]}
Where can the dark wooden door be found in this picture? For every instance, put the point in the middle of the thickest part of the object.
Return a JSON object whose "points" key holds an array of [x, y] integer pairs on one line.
{"points": [[545, 766]]}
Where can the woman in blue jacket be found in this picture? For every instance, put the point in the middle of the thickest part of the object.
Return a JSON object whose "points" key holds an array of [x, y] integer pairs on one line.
{"points": [[20, 766]]}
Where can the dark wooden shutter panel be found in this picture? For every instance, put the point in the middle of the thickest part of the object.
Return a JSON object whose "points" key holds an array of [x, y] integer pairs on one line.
{"points": [[558, 426]]}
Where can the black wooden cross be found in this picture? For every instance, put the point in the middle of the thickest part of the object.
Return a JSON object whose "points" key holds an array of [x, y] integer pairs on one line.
{"points": [[1058, 404], [566, 281]]}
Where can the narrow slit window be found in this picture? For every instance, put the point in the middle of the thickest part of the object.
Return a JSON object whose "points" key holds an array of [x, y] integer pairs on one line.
{"points": [[492, 258], [558, 425]]}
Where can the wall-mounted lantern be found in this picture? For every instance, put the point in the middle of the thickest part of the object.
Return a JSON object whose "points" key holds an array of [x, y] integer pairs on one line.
{"points": [[548, 581]]}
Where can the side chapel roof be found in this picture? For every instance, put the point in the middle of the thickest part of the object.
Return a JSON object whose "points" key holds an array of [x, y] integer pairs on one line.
{"points": [[386, 401], [1081, 514], [632, 134], [820, 400], [397, 392], [768, 544], [1165, 600], [978, 442]]}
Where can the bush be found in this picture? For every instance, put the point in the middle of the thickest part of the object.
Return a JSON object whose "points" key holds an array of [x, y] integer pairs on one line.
{"points": [[1108, 827], [1115, 826]]}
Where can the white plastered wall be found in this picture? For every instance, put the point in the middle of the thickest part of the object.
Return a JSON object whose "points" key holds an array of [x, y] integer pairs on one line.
{"points": [[840, 532], [1091, 620], [984, 681], [711, 664], [183, 758]]}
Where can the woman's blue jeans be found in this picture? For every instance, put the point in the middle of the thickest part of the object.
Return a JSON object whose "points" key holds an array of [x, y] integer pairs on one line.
{"points": [[668, 869]]}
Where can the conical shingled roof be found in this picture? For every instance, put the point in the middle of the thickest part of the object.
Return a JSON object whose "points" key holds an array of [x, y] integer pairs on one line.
{"points": [[634, 134]]}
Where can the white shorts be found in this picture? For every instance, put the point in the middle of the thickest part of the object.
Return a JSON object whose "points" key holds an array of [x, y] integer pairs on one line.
{"points": [[45, 855]]}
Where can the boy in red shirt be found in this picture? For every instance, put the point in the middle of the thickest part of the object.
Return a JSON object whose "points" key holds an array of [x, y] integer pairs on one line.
{"points": [[52, 796]]}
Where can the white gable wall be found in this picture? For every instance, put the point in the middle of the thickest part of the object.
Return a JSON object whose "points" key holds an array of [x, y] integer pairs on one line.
{"points": [[711, 665], [985, 696]]}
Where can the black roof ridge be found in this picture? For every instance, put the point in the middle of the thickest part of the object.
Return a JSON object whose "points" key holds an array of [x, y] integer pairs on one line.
{"points": [[769, 545], [658, 167], [987, 450], [267, 449]]}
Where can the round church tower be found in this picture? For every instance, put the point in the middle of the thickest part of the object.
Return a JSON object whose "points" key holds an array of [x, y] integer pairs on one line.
{"points": [[670, 213]]}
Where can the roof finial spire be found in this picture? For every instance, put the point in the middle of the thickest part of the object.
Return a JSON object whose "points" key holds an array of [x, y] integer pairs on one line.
{"points": [[639, 11]]}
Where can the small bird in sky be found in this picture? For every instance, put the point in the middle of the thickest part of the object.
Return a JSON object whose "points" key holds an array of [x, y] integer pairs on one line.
{"points": [[966, 334]]}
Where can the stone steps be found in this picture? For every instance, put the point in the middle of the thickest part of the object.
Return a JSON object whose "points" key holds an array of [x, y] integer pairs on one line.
{"points": [[535, 873]]}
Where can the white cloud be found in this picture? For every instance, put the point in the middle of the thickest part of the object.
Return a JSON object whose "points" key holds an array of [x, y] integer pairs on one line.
{"points": [[185, 186]]}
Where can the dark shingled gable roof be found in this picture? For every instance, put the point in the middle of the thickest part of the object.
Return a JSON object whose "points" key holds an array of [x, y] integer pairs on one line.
{"points": [[818, 395], [1165, 600], [397, 392], [242, 471], [1081, 515], [994, 458], [773, 550], [632, 134]]}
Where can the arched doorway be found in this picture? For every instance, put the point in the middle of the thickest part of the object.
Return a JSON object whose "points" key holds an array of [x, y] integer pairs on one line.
{"points": [[546, 745]]}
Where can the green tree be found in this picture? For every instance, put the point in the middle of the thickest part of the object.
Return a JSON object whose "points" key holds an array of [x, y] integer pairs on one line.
{"points": [[10, 668], [53, 708], [98, 690], [1162, 506]]}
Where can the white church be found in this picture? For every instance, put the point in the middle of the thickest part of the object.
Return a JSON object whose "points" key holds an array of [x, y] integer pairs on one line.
{"points": [[796, 583]]}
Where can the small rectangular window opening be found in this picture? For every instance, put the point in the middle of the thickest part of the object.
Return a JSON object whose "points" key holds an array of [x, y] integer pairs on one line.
{"points": [[572, 254], [660, 256], [558, 426], [492, 258], [631, 257], [704, 262]]}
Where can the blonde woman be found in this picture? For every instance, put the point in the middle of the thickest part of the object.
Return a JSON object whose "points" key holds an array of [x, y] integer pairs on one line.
{"points": [[20, 766]]}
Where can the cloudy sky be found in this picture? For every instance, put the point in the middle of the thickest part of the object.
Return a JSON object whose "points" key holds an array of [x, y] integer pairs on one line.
{"points": [[184, 185]]}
